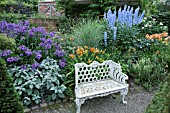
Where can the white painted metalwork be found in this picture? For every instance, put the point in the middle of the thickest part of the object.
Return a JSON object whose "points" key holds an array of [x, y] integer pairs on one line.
{"points": [[98, 79]]}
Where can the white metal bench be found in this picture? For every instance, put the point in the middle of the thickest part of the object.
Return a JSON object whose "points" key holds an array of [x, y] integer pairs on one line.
{"points": [[96, 80]]}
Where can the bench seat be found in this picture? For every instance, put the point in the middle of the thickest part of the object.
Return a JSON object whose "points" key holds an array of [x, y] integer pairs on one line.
{"points": [[105, 86]]}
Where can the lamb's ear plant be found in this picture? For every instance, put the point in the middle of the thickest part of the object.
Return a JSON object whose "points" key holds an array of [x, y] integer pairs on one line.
{"points": [[37, 85]]}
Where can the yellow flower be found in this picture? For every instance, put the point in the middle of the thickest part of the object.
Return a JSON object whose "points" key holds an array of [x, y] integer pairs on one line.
{"points": [[72, 56], [86, 51], [89, 61], [97, 57], [96, 50], [86, 47], [71, 39], [157, 52]]}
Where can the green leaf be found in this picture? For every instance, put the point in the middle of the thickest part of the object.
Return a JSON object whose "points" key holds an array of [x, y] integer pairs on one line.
{"points": [[36, 92], [19, 81], [61, 95], [53, 88], [37, 101], [37, 86], [29, 91], [49, 97], [20, 92], [31, 86], [54, 96]]}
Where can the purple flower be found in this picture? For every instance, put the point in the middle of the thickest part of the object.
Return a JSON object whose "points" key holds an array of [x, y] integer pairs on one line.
{"points": [[23, 67], [21, 54], [15, 59], [28, 52], [42, 39], [59, 53], [12, 59], [48, 41], [22, 47], [38, 56], [31, 33], [52, 34], [48, 46], [35, 65], [41, 44], [57, 46], [62, 64], [5, 53], [58, 37]]}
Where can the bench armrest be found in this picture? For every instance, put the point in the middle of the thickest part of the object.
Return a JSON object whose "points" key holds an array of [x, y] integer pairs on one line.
{"points": [[121, 77], [124, 78]]}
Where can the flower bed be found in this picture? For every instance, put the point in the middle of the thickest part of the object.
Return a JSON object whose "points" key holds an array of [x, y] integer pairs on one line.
{"points": [[34, 62]]}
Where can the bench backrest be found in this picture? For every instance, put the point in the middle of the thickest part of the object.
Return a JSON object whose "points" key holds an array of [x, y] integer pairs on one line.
{"points": [[96, 71]]}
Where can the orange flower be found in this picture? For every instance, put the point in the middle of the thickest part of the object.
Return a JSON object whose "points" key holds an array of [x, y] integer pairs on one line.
{"points": [[92, 49], [164, 34], [147, 36], [153, 36], [156, 35], [160, 37], [80, 51], [72, 56]]}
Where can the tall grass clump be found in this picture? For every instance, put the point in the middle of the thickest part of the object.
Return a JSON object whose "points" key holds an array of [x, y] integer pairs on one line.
{"points": [[88, 32]]}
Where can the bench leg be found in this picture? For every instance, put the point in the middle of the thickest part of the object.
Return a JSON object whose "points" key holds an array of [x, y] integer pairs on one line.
{"points": [[124, 93], [78, 105]]}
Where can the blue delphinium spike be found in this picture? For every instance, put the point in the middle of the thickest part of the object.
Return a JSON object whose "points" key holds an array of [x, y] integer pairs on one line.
{"points": [[105, 38], [119, 15], [141, 17], [131, 10], [114, 33], [125, 6], [104, 15], [135, 16]]}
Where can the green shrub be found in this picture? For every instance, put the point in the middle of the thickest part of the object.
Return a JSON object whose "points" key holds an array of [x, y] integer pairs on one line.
{"points": [[6, 42], [151, 25], [161, 101], [148, 71], [9, 99]]}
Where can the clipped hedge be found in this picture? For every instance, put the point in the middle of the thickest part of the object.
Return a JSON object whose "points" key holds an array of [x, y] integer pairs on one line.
{"points": [[9, 99], [12, 17], [161, 101]]}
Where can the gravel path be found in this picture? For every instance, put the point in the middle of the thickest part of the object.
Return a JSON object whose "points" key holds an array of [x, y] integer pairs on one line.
{"points": [[137, 99]]}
